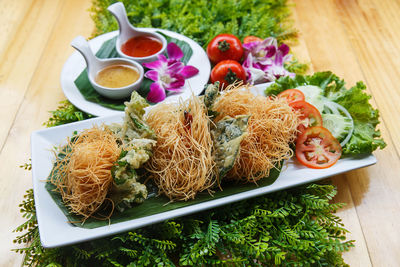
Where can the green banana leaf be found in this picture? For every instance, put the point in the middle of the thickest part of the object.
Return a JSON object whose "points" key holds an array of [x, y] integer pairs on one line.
{"points": [[157, 204], [107, 50]]}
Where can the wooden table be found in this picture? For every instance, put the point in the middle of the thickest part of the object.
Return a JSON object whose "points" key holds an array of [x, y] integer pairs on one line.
{"points": [[356, 39]]}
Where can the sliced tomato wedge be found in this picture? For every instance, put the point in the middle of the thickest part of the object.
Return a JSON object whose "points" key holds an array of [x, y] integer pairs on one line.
{"points": [[292, 95], [310, 115], [317, 148]]}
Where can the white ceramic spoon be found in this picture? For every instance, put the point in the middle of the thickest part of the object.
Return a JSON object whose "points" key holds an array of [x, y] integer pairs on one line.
{"points": [[95, 65], [127, 31]]}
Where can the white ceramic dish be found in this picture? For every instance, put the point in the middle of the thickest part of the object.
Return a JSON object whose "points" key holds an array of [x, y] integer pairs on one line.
{"points": [[95, 65], [75, 64], [127, 31], [55, 230]]}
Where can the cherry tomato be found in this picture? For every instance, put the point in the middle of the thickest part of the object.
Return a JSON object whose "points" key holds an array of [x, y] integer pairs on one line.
{"points": [[317, 148], [251, 38], [224, 46], [310, 115], [227, 72], [292, 95]]}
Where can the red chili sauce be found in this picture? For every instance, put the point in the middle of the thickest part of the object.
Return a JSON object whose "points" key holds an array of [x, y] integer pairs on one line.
{"points": [[141, 46]]}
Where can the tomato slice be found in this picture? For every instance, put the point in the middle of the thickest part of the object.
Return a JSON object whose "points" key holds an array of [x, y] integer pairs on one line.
{"points": [[251, 38], [310, 115], [317, 148], [292, 95]]}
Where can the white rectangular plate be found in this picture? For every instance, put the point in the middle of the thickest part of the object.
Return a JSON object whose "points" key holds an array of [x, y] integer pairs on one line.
{"points": [[55, 230]]}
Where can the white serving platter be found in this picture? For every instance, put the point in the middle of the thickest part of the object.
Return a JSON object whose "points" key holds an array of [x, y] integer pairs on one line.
{"points": [[55, 230]]}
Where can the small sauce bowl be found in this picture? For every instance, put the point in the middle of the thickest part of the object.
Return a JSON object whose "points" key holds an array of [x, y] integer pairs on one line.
{"points": [[127, 32], [96, 65]]}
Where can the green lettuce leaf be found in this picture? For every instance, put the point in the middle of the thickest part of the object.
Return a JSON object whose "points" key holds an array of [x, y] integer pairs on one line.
{"points": [[365, 138]]}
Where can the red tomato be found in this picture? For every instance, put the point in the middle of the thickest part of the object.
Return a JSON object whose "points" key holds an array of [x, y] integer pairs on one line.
{"points": [[292, 95], [310, 115], [224, 46], [317, 148], [227, 72], [251, 38]]}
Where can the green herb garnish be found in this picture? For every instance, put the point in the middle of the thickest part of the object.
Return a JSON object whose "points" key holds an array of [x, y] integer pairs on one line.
{"points": [[295, 227], [202, 20]]}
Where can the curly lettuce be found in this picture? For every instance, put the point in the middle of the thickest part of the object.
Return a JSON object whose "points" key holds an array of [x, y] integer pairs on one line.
{"points": [[366, 138], [202, 20]]}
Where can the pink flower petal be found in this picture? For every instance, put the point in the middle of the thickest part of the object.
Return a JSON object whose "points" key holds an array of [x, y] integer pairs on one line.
{"points": [[174, 52], [153, 65], [175, 67], [156, 94], [152, 75], [271, 50], [269, 41], [284, 49], [278, 59], [162, 58], [177, 83], [188, 71], [251, 45]]}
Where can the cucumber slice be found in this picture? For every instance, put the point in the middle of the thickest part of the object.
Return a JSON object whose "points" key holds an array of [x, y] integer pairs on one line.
{"points": [[335, 117], [310, 91], [338, 125], [337, 109], [313, 95]]}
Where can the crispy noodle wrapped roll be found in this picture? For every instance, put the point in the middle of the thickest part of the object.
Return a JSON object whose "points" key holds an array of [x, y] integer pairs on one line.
{"points": [[271, 128], [83, 176], [182, 163]]}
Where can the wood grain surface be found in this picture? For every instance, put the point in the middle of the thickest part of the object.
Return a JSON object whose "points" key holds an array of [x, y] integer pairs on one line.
{"points": [[356, 39]]}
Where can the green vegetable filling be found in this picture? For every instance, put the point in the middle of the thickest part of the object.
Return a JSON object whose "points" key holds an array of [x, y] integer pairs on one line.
{"points": [[227, 135]]}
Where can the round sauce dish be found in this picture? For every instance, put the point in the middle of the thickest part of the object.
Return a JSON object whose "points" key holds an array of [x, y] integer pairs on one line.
{"points": [[115, 78], [141, 45]]}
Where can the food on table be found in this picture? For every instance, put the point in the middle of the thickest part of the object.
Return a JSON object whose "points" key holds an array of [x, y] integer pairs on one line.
{"points": [[82, 172], [228, 72], [117, 76], [99, 164], [309, 115], [134, 126], [127, 190], [317, 148], [292, 95], [340, 126], [224, 46], [227, 136], [141, 46], [203, 143], [271, 128], [313, 94], [182, 163]]}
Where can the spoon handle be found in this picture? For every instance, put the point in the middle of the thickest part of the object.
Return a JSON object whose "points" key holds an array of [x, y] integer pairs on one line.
{"points": [[119, 12], [80, 44]]}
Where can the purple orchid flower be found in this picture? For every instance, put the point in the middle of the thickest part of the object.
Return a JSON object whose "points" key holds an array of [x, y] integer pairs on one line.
{"points": [[262, 51], [277, 69], [168, 74], [254, 71], [264, 60]]}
